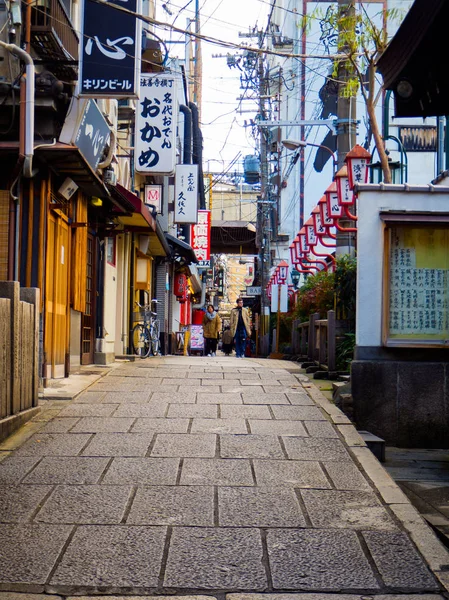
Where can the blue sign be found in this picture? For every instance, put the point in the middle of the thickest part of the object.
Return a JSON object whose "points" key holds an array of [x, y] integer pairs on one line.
{"points": [[110, 49]]}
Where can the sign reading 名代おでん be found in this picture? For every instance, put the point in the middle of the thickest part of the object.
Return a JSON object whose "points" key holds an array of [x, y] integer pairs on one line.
{"points": [[200, 238], [156, 114], [110, 49], [186, 193]]}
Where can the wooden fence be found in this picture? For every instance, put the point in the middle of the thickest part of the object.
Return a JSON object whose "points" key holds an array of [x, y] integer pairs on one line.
{"points": [[19, 355], [315, 339]]}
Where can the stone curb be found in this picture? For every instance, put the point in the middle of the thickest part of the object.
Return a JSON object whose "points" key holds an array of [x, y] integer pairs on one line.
{"points": [[433, 551]]}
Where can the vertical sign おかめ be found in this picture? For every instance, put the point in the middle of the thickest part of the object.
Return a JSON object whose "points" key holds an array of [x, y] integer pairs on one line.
{"points": [[156, 115], [110, 49], [200, 237], [186, 193]]}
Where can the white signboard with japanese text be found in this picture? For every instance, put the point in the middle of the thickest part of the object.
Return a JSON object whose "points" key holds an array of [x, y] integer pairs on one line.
{"points": [[186, 194], [156, 120]]}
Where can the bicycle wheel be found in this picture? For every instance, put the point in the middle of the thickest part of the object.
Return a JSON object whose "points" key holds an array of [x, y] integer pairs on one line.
{"points": [[141, 340], [155, 341]]}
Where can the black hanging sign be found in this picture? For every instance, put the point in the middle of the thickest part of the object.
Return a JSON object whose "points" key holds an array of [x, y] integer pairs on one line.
{"points": [[109, 49]]}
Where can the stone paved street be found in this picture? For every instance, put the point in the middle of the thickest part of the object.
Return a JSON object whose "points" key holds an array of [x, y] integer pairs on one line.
{"points": [[184, 475]]}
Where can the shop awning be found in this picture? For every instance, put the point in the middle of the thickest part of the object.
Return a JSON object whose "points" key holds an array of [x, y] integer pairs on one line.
{"points": [[181, 249], [138, 215]]}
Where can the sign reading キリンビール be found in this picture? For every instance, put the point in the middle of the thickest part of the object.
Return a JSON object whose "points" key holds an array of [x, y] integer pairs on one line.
{"points": [[110, 49], [186, 194], [156, 120]]}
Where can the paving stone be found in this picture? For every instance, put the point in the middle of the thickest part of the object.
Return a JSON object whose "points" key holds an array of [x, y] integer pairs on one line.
{"points": [[164, 388], [302, 448], [225, 398], [185, 444], [127, 397], [90, 397], [312, 596], [161, 425], [250, 446], [14, 468], [242, 375], [398, 561], [245, 412], [118, 444], [207, 374], [286, 388], [19, 502], [20, 596], [60, 425], [112, 554], [204, 389], [346, 476], [320, 429], [115, 387], [206, 558], [142, 471], [96, 504], [173, 505], [318, 560], [216, 382], [211, 471], [22, 560], [131, 382], [203, 411], [103, 424], [88, 410], [69, 470], [298, 413], [290, 473], [258, 507], [219, 426], [54, 444], [182, 397], [152, 409], [273, 427], [183, 383], [346, 510], [175, 373], [260, 397], [300, 399]]}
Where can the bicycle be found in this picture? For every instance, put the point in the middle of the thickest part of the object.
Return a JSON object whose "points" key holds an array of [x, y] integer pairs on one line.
{"points": [[145, 336]]}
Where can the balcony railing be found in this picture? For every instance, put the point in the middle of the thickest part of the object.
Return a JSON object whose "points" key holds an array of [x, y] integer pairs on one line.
{"points": [[54, 38]]}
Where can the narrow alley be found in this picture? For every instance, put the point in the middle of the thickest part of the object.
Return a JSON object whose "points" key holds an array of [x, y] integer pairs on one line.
{"points": [[185, 475]]}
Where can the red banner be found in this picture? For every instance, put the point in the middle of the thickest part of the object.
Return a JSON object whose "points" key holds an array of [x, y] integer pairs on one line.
{"points": [[200, 238]]}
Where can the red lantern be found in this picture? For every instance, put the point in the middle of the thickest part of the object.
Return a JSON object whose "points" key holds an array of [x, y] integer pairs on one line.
{"points": [[344, 192], [357, 161], [181, 287], [282, 271], [311, 236]]}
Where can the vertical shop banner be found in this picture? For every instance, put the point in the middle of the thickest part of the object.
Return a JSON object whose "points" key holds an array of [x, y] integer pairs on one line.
{"points": [[110, 49], [200, 238], [186, 194], [92, 134], [156, 121]]}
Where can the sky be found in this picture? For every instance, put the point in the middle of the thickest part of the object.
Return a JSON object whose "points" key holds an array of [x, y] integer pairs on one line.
{"points": [[222, 126]]}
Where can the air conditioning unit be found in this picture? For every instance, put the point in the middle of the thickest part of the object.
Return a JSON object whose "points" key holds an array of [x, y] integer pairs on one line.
{"points": [[110, 177]]}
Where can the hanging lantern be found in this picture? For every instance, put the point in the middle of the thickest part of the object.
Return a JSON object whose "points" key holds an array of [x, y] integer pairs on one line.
{"points": [[303, 245], [283, 271], [344, 192], [317, 222], [311, 236], [357, 161], [326, 219], [181, 287], [335, 211]]}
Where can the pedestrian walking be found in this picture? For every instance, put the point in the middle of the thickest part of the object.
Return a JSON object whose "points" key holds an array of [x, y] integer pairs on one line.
{"points": [[240, 327], [211, 330], [227, 340]]}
